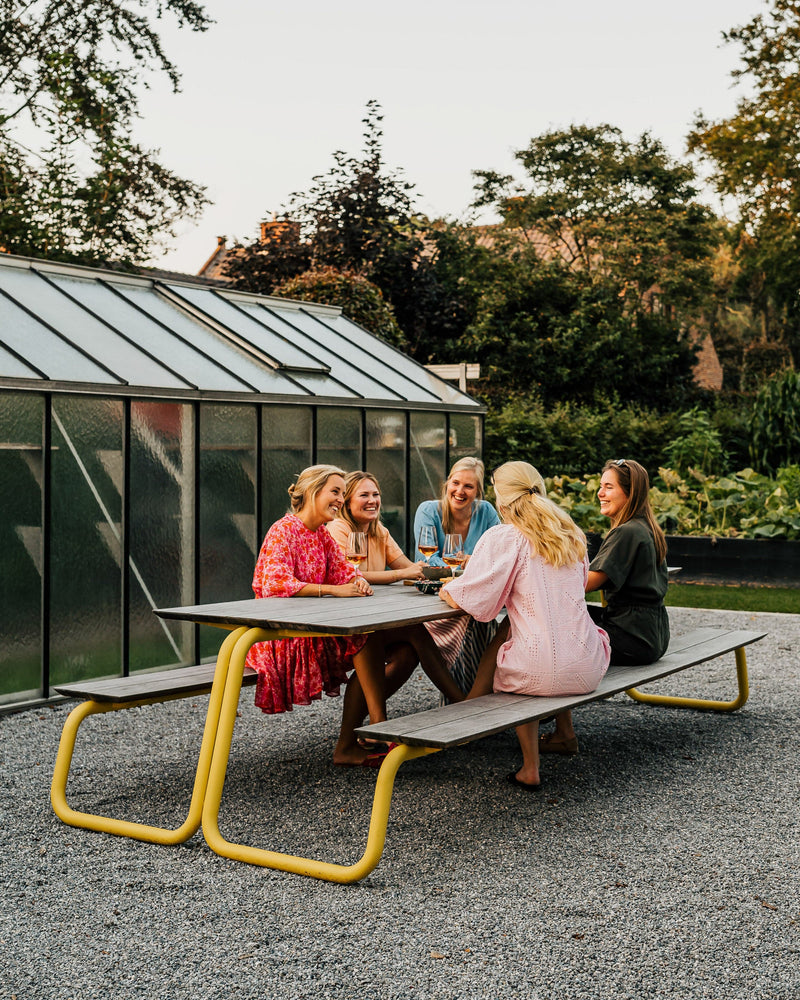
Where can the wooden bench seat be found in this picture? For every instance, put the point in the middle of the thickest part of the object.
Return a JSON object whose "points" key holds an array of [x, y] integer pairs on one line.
{"points": [[164, 685], [452, 725]]}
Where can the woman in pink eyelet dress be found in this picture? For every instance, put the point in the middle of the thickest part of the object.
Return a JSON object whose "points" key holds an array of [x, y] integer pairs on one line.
{"points": [[535, 565]]}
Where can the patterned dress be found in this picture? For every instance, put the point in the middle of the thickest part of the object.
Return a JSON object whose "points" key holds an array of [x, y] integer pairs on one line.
{"points": [[297, 671], [554, 646]]}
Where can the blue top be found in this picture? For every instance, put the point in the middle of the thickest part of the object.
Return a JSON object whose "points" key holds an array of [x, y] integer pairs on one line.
{"points": [[484, 516]]}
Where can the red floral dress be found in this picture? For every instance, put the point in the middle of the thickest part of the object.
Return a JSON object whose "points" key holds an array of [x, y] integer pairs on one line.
{"points": [[297, 671]]}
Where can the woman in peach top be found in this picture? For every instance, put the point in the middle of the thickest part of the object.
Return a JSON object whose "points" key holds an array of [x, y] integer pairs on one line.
{"points": [[385, 563], [361, 511], [535, 565]]}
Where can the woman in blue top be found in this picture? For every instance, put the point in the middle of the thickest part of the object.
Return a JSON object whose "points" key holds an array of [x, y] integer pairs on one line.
{"points": [[463, 511]]}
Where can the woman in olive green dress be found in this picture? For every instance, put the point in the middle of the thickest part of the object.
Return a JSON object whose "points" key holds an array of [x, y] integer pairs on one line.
{"points": [[631, 569]]}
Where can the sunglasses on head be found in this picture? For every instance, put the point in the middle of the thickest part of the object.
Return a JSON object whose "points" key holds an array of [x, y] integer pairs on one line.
{"points": [[620, 461]]}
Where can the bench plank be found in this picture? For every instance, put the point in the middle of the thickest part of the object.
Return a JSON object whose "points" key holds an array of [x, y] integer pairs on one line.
{"points": [[470, 720], [196, 679]]}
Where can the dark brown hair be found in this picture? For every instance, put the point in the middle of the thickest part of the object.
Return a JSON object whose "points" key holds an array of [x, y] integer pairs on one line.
{"points": [[635, 484]]}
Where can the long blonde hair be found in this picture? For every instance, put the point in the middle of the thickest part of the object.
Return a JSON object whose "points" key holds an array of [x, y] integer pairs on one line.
{"points": [[351, 481], [309, 484], [522, 501], [469, 464]]}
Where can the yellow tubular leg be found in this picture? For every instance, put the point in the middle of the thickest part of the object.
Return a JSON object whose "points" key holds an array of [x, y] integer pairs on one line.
{"points": [[702, 703], [272, 859], [126, 828]]}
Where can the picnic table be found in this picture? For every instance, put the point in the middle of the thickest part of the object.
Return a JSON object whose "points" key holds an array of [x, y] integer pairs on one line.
{"points": [[262, 620]]}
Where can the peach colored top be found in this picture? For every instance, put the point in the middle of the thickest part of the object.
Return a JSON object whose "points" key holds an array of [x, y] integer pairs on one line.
{"points": [[381, 551]]}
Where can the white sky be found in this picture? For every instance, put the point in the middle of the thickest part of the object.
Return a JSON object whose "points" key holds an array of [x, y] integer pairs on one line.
{"points": [[272, 89]]}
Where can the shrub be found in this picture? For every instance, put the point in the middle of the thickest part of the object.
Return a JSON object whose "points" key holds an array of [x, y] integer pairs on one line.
{"points": [[566, 439], [775, 423]]}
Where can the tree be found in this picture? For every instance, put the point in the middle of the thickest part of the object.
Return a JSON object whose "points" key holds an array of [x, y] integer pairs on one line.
{"points": [[73, 183], [621, 212], [755, 158], [358, 299], [359, 218], [606, 255]]}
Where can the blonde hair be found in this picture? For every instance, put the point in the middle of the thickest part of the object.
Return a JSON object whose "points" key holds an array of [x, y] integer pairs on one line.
{"points": [[476, 467], [522, 501], [351, 481], [309, 484]]}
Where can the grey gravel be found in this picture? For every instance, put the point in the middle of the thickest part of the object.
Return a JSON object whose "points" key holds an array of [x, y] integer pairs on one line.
{"points": [[661, 862]]}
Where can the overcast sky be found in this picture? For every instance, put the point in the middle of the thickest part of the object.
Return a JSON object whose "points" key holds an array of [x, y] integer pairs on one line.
{"points": [[272, 89]]}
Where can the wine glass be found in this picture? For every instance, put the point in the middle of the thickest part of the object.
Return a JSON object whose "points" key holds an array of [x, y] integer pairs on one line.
{"points": [[356, 551], [453, 553], [427, 543]]}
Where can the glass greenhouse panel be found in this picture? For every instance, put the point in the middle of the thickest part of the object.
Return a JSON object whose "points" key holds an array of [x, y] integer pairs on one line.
{"points": [[86, 548], [226, 353], [427, 459], [281, 349], [465, 436], [48, 353], [352, 377], [285, 452], [184, 359], [21, 474], [339, 437], [161, 571], [227, 543], [119, 356], [386, 459]]}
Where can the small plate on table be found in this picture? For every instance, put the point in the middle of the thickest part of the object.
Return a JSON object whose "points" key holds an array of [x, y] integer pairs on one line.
{"points": [[429, 586]]}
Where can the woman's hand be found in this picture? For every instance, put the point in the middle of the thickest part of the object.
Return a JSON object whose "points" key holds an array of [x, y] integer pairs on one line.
{"points": [[358, 587], [411, 572], [448, 599]]}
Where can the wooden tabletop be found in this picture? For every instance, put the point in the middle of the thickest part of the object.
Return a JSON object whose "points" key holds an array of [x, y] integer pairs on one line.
{"points": [[388, 607]]}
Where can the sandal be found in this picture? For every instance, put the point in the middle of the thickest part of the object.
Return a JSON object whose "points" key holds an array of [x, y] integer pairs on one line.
{"points": [[552, 743]]}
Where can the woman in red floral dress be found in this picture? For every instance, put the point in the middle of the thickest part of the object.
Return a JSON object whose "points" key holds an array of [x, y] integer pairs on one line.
{"points": [[299, 558]]}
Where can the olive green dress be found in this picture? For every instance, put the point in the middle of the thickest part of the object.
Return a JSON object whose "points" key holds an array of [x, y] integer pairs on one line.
{"points": [[635, 618]]}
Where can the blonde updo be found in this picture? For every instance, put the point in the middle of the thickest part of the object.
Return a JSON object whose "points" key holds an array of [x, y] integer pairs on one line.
{"points": [[309, 484], [522, 501]]}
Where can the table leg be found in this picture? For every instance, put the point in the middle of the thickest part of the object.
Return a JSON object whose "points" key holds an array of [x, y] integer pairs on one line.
{"points": [[127, 828], [272, 859]]}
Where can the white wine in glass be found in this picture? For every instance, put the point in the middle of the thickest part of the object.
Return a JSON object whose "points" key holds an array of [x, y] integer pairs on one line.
{"points": [[427, 543], [356, 548], [453, 553]]}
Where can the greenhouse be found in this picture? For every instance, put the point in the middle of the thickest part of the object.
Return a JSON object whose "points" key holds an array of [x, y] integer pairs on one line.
{"points": [[149, 429]]}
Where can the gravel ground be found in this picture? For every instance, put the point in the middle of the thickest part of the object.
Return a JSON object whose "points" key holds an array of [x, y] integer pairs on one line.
{"points": [[663, 861]]}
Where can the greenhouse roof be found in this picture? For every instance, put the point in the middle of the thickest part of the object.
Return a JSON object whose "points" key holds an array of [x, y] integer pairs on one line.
{"points": [[70, 328]]}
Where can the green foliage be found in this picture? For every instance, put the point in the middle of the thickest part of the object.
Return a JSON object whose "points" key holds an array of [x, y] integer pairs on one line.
{"points": [[605, 251], [568, 438], [359, 218], [73, 184], [697, 444], [625, 212], [755, 158], [358, 298], [775, 423], [743, 505]]}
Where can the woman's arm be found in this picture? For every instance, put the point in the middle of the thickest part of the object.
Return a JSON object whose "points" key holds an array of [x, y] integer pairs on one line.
{"points": [[428, 514], [595, 581], [399, 569], [358, 587]]}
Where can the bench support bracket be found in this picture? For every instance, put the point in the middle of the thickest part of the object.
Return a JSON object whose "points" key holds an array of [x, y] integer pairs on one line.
{"points": [[128, 828], [702, 703]]}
